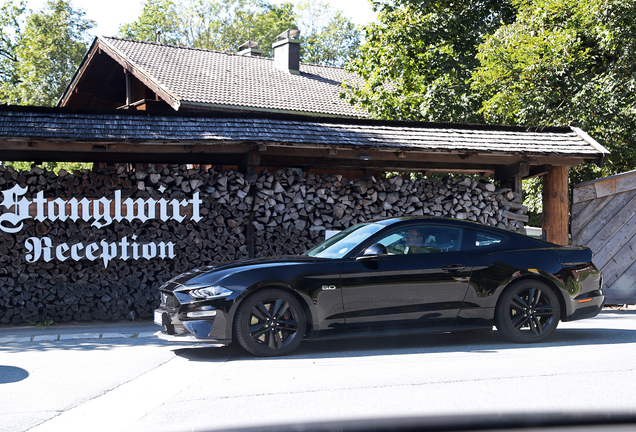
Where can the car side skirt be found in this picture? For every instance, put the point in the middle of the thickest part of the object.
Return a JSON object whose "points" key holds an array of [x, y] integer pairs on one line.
{"points": [[399, 332]]}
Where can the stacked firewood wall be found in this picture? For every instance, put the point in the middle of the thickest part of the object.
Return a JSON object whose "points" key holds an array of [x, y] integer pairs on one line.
{"points": [[284, 212]]}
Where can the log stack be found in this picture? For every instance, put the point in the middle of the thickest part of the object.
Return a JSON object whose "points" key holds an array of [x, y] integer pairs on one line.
{"points": [[279, 213]]}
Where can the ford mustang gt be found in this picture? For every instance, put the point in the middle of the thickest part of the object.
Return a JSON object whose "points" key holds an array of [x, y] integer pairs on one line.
{"points": [[396, 276]]}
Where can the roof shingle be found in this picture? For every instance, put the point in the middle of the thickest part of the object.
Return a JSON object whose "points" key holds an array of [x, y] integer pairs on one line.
{"points": [[208, 129], [220, 79]]}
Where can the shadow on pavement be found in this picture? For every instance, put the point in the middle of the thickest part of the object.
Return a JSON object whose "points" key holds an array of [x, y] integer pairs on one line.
{"points": [[477, 341], [82, 344], [12, 374]]}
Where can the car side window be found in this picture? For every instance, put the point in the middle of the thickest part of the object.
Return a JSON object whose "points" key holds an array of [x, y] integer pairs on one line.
{"points": [[478, 240], [422, 239]]}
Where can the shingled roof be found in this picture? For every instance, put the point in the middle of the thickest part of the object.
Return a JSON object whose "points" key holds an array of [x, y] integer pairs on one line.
{"points": [[200, 79], [288, 140]]}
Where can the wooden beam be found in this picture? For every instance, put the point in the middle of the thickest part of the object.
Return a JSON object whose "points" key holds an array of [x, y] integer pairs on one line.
{"points": [[538, 171], [556, 205], [101, 95], [93, 50], [512, 175], [521, 169], [275, 155], [165, 94], [113, 70], [248, 164], [394, 164], [491, 160], [128, 88]]}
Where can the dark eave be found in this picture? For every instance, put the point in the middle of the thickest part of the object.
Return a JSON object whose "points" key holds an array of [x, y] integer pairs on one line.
{"points": [[45, 134], [101, 45]]}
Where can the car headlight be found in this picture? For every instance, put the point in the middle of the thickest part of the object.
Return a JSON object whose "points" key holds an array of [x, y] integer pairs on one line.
{"points": [[209, 293]]}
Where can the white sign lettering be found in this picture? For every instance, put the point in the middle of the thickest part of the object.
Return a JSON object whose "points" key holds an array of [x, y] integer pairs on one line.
{"points": [[43, 249], [101, 212]]}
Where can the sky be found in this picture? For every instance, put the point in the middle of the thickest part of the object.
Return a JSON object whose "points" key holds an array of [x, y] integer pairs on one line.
{"points": [[110, 14]]}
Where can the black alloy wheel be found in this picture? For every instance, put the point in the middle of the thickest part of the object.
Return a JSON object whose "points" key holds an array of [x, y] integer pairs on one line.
{"points": [[527, 311], [270, 322]]}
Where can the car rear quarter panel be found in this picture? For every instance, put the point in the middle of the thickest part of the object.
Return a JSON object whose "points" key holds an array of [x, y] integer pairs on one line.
{"points": [[493, 272]]}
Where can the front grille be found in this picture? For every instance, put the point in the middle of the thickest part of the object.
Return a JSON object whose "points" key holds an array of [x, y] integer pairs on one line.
{"points": [[170, 300]]}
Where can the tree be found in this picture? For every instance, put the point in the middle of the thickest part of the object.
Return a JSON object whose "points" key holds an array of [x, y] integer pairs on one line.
{"points": [[418, 59], [223, 25], [10, 25], [529, 62], [39, 53], [45, 53], [327, 36], [156, 15], [226, 24], [566, 61], [275, 20]]}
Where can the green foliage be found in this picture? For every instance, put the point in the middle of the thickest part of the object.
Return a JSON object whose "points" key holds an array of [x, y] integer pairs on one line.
{"points": [[43, 53], [49, 166], [530, 62], [532, 190], [156, 15], [10, 24], [327, 36], [275, 20], [43, 322], [533, 199], [223, 25], [563, 61], [418, 59]]}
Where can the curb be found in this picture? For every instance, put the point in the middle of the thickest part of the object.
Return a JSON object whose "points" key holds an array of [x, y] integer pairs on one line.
{"points": [[77, 336]]}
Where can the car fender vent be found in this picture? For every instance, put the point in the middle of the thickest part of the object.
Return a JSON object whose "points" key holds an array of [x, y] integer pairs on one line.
{"points": [[169, 300]]}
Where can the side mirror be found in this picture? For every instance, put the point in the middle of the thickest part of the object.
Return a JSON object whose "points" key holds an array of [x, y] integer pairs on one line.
{"points": [[375, 250]]}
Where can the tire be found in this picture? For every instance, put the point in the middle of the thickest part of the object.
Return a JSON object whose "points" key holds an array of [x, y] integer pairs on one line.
{"points": [[528, 311], [270, 322]]}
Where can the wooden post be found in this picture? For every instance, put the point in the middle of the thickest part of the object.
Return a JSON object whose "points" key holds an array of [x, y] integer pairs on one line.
{"points": [[249, 163], [512, 176], [556, 205], [128, 88]]}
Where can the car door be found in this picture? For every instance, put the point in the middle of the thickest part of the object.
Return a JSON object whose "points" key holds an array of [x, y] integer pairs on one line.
{"points": [[421, 281]]}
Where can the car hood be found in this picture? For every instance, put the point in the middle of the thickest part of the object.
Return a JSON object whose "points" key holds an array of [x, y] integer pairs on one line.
{"points": [[214, 275]]}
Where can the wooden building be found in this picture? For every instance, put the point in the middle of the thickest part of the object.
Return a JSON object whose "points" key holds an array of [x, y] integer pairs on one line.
{"points": [[163, 104], [133, 75], [604, 219]]}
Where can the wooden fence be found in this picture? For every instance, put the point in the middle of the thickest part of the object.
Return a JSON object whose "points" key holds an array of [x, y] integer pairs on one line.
{"points": [[604, 219]]}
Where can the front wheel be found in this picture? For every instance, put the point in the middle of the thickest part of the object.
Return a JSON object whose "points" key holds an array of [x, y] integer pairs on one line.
{"points": [[270, 322], [527, 311]]}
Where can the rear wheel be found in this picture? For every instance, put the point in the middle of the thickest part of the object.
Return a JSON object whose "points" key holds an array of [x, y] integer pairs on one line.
{"points": [[270, 322], [527, 311]]}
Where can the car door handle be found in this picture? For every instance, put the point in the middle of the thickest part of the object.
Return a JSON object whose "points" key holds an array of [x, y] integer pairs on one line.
{"points": [[453, 267]]}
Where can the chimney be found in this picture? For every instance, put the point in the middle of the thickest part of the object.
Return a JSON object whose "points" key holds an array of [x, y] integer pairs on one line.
{"points": [[287, 51], [250, 49]]}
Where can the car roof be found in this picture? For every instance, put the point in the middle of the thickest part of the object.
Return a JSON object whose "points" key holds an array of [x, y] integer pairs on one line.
{"points": [[408, 220]]}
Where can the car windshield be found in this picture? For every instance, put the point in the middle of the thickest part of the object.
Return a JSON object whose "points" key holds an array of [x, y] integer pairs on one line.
{"points": [[343, 242]]}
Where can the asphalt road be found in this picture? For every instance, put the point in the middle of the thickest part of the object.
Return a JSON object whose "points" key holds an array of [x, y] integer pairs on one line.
{"points": [[142, 383]]}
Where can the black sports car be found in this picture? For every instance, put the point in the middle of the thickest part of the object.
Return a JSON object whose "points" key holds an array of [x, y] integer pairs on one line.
{"points": [[395, 276]]}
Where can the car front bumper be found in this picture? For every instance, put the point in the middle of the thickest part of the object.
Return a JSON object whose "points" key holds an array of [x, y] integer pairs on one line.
{"points": [[211, 330]]}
